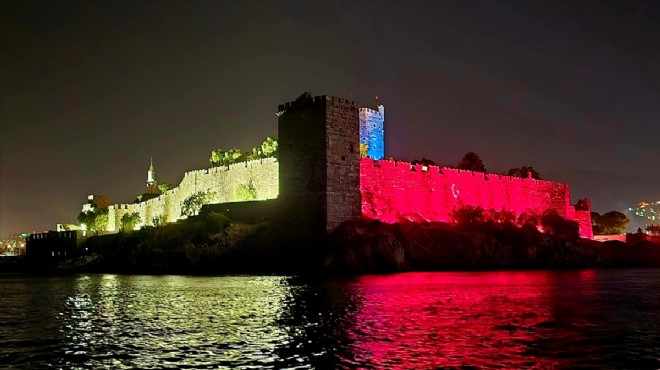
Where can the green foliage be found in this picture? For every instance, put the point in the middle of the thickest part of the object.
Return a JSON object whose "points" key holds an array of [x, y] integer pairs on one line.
{"points": [[472, 162], [130, 220], [609, 223], [94, 220], [500, 217], [424, 162], [216, 222], [269, 148], [529, 218], [158, 221], [654, 229], [220, 157], [524, 172], [245, 192], [364, 150], [193, 204], [84, 218], [555, 224], [182, 247], [164, 187], [475, 218], [468, 215], [595, 226]]}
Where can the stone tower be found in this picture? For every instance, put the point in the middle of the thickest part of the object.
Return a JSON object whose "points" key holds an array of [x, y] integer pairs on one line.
{"points": [[319, 145], [372, 131], [152, 185]]}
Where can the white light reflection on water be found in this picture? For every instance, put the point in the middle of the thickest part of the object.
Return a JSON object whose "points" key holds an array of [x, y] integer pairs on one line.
{"points": [[513, 319], [171, 321]]}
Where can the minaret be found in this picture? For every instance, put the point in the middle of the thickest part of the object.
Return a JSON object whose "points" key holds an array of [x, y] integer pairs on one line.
{"points": [[152, 185]]}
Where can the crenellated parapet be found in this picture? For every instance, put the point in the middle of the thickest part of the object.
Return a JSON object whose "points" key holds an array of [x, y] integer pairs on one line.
{"points": [[219, 184], [393, 191]]}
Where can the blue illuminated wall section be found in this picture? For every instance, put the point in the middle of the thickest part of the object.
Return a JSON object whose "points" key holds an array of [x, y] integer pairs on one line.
{"points": [[372, 131]]}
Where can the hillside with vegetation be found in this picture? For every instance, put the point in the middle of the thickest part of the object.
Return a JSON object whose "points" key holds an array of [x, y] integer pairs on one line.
{"points": [[211, 244]]}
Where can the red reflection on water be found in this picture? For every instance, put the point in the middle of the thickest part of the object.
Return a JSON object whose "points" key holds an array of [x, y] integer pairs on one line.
{"points": [[430, 320]]}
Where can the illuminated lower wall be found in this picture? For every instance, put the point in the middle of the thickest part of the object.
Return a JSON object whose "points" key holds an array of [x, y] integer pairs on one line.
{"points": [[220, 182], [394, 191]]}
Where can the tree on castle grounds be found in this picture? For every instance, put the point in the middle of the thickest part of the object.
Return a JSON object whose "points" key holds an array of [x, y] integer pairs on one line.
{"points": [[193, 204], [94, 220], [472, 162], [268, 149], [524, 172], [220, 157], [130, 220], [654, 229], [554, 224], [467, 215], [609, 223], [164, 187], [424, 162]]}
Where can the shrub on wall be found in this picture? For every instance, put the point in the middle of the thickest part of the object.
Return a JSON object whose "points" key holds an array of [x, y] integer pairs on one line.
{"points": [[245, 192], [467, 215], [220, 157], [268, 149], [129, 221], [194, 203], [164, 187]]}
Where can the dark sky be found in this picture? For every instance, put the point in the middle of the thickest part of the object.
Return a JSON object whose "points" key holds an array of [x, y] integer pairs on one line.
{"points": [[91, 90]]}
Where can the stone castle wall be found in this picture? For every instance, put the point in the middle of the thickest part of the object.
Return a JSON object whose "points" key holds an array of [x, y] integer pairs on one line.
{"points": [[394, 191], [322, 181], [220, 183]]}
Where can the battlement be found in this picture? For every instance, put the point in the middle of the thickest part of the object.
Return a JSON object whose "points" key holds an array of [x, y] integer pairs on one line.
{"points": [[457, 172], [307, 99], [218, 184], [396, 190], [232, 167], [370, 110]]}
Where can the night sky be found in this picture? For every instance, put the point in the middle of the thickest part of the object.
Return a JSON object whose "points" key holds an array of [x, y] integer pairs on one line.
{"points": [[91, 90]]}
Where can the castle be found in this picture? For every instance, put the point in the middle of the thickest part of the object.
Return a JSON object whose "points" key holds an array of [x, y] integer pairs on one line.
{"points": [[331, 169]]}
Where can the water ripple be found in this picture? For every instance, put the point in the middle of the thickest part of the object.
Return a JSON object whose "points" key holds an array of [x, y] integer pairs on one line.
{"points": [[525, 319]]}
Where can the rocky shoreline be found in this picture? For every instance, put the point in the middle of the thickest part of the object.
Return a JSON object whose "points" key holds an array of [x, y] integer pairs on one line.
{"points": [[202, 247]]}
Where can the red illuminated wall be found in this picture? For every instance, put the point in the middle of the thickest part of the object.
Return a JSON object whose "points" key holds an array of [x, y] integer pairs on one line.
{"points": [[394, 191]]}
